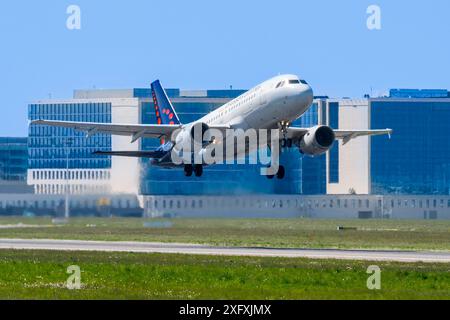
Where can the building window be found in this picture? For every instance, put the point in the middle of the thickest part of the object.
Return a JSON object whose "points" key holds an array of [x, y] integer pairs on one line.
{"points": [[333, 109]]}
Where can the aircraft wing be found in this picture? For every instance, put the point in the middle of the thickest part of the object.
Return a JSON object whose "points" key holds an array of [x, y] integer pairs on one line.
{"points": [[136, 131], [345, 135]]}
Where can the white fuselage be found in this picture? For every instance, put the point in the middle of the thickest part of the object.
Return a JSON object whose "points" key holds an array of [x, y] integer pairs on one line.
{"points": [[282, 99], [265, 106]]}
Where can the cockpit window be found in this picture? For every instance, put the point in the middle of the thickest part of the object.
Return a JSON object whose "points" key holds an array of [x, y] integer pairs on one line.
{"points": [[280, 84], [303, 81], [294, 81]]}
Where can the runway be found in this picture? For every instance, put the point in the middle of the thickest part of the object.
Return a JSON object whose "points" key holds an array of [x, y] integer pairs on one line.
{"points": [[178, 248]]}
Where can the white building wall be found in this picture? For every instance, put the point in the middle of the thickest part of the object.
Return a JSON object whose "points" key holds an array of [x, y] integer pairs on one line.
{"points": [[125, 171], [80, 181], [354, 157], [292, 206]]}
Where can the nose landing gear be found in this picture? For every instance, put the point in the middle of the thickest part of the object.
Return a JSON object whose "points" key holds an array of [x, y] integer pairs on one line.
{"points": [[285, 142], [283, 126]]}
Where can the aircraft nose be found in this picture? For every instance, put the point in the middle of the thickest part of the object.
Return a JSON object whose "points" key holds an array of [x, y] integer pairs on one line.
{"points": [[307, 94]]}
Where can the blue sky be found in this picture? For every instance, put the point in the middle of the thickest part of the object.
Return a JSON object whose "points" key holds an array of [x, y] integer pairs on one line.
{"points": [[215, 44]]}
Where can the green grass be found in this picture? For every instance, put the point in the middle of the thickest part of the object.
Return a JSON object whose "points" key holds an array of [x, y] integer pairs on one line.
{"points": [[286, 233], [42, 275]]}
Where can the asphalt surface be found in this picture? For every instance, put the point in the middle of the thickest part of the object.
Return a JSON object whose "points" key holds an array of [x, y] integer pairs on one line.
{"points": [[176, 248]]}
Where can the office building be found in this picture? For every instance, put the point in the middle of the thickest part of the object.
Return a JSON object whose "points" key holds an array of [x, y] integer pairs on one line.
{"points": [[414, 161], [13, 165]]}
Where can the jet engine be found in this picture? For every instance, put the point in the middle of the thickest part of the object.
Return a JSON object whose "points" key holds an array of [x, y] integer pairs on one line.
{"points": [[196, 134], [317, 141]]}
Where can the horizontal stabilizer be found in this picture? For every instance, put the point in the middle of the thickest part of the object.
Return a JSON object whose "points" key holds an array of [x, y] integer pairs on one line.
{"points": [[133, 154]]}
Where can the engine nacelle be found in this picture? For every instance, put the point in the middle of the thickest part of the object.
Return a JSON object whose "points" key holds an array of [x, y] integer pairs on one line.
{"points": [[317, 141], [195, 134], [198, 133]]}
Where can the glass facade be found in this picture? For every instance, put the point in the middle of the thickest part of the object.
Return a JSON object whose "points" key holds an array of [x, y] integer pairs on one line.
{"points": [[417, 158], [313, 170], [13, 159], [48, 146], [334, 151]]}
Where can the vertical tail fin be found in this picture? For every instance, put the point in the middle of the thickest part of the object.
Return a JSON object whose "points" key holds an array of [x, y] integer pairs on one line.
{"points": [[165, 113]]}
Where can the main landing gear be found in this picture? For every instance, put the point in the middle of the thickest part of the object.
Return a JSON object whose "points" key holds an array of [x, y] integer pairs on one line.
{"points": [[280, 174], [190, 169]]}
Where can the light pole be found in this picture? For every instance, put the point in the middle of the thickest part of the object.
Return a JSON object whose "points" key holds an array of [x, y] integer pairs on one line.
{"points": [[68, 143]]}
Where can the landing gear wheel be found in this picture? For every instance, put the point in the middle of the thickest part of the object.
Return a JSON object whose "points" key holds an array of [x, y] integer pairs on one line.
{"points": [[281, 173], [269, 176], [198, 170], [286, 143], [188, 170]]}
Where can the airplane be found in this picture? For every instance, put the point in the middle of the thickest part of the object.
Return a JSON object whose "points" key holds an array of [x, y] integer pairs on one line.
{"points": [[273, 104]]}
